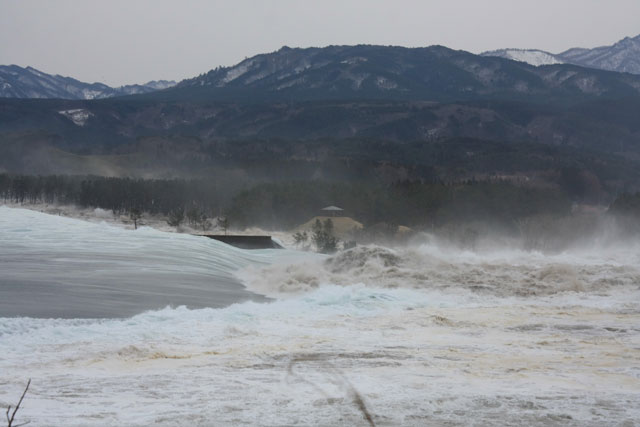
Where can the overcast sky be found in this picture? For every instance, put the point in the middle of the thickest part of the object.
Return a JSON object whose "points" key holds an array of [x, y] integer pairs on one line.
{"points": [[132, 41]]}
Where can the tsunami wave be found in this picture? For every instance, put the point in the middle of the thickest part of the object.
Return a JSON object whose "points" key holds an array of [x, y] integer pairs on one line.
{"points": [[408, 336]]}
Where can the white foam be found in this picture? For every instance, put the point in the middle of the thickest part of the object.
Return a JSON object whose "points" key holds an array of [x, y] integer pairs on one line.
{"points": [[441, 352], [469, 275], [411, 357]]}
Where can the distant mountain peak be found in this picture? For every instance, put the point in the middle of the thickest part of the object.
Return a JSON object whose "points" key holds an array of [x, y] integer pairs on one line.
{"points": [[28, 82], [623, 56], [533, 57]]}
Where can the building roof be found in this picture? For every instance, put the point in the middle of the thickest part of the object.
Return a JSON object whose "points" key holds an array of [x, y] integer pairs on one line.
{"points": [[332, 208], [342, 226]]}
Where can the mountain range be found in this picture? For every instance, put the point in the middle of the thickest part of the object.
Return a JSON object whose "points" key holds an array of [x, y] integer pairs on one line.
{"points": [[433, 73], [623, 56], [346, 112], [337, 72], [19, 82]]}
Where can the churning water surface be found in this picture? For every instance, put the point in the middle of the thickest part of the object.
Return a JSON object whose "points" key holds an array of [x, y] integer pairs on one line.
{"points": [[417, 336]]}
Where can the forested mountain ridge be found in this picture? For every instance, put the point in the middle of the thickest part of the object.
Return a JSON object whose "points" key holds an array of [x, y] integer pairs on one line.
{"points": [[433, 73], [19, 82], [347, 112], [362, 92], [105, 126]]}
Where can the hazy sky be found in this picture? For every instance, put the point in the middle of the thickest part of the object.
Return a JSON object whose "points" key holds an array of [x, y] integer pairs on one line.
{"points": [[133, 41]]}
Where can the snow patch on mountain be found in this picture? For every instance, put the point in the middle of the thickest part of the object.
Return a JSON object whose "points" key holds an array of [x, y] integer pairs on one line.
{"points": [[623, 56], [91, 94], [530, 56], [78, 116], [291, 83], [19, 82], [384, 83], [354, 60], [237, 71], [160, 84], [305, 65]]}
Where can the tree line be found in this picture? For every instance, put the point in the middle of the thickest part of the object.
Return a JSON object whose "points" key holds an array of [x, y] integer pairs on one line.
{"points": [[120, 195], [284, 205], [415, 204]]}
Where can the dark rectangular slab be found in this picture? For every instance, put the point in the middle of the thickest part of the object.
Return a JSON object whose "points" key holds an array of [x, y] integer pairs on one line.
{"points": [[246, 242]]}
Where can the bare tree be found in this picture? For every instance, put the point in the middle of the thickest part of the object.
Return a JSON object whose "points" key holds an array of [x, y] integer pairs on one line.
{"points": [[301, 240], [223, 222], [322, 236], [175, 217], [11, 418], [205, 222], [193, 215], [135, 214]]}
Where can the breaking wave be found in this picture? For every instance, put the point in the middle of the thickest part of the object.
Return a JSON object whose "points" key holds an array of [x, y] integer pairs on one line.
{"points": [[429, 267], [423, 335]]}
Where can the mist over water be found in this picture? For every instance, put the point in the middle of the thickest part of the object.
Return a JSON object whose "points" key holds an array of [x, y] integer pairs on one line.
{"points": [[424, 335], [495, 269]]}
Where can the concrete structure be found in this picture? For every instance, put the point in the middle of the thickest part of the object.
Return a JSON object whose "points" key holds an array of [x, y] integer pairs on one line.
{"points": [[246, 242]]}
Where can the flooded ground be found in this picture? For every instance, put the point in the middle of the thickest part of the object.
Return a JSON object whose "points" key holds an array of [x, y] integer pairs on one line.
{"points": [[418, 336]]}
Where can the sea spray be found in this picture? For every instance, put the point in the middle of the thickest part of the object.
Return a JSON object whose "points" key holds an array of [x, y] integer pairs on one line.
{"points": [[500, 274], [424, 335]]}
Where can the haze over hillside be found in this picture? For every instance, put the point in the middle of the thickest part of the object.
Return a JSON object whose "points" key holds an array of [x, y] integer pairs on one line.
{"points": [[345, 111]]}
